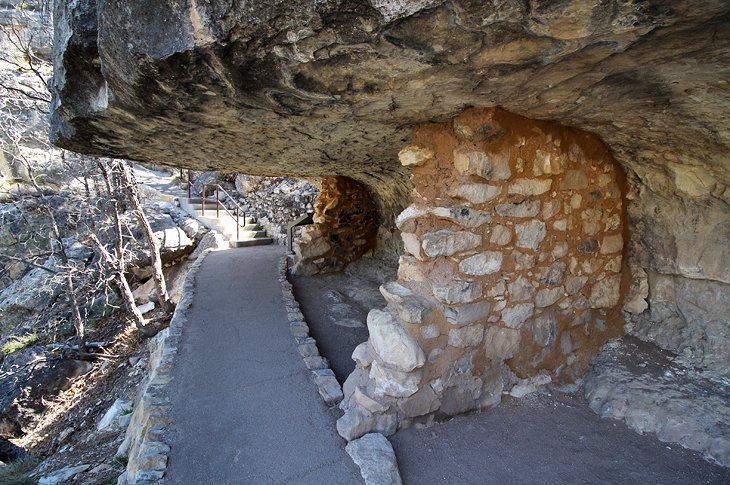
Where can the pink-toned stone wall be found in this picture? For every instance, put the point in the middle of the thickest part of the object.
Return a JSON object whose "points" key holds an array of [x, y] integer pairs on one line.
{"points": [[345, 227], [512, 273]]}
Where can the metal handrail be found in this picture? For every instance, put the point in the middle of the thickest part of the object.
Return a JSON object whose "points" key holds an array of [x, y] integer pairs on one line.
{"points": [[303, 220], [218, 205]]}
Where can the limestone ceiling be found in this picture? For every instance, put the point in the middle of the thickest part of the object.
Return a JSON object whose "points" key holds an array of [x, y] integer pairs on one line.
{"points": [[332, 87]]}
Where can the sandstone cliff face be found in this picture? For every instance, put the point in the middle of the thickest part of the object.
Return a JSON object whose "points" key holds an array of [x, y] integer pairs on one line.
{"points": [[333, 87]]}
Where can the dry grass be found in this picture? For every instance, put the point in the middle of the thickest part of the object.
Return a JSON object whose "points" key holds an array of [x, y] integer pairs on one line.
{"points": [[19, 342]]}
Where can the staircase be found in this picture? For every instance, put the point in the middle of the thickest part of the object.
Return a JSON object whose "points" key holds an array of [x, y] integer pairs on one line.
{"points": [[240, 230]]}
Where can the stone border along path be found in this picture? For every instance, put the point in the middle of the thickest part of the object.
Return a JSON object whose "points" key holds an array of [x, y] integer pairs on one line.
{"points": [[372, 453], [146, 452], [327, 384]]}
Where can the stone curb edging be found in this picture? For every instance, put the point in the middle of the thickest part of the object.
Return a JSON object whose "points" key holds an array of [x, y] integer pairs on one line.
{"points": [[147, 453], [372, 453], [327, 384], [144, 446]]}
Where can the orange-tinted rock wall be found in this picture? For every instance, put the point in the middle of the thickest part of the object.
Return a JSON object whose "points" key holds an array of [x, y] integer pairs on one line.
{"points": [[345, 227], [512, 273]]}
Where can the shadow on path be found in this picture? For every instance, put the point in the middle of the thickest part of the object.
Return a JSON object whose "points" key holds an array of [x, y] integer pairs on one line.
{"points": [[545, 439]]}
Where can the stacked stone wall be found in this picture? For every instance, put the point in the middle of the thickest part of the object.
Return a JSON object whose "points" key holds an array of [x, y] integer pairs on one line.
{"points": [[345, 228], [512, 273]]}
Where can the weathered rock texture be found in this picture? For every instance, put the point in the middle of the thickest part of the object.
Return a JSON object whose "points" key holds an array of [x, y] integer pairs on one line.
{"points": [[332, 88], [345, 227], [646, 387], [689, 316], [228, 86], [512, 268]]}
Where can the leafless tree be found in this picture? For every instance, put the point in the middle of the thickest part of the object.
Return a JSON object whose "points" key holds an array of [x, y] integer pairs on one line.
{"points": [[63, 268], [114, 262], [103, 193], [19, 35], [130, 186]]}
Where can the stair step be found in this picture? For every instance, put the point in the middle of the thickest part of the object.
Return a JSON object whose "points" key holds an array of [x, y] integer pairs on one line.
{"points": [[251, 234], [208, 207], [258, 241], [224, 220], [224, 216], [210, 216]]}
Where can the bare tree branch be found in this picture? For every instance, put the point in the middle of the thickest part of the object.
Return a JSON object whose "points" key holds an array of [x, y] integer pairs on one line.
{"points": [[31, 95], [157, 275], [126, 291], [28, 262]]}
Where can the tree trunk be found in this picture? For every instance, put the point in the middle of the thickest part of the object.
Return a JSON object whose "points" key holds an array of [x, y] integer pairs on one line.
{"points": [[78, 321], [157, 276], [61, 253], [120, 263], [124, 290], [119, 243]]}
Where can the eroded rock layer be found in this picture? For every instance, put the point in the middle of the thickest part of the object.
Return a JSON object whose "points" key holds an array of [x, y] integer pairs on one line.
{"points": [[333, 87], [230, 86]]}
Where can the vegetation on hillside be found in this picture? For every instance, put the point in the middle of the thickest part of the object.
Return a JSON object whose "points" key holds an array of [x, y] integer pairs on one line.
{"points": [[74, 238]]}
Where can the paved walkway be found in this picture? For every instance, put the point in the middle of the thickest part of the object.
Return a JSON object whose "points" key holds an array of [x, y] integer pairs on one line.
{"points": [[244, 408], [163, 182]]}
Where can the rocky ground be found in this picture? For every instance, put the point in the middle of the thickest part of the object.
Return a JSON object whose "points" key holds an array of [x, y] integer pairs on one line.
{"points": [[546, 437], [73, 432], [60, 411], [554, 430], [654, 393], [337, 304]]}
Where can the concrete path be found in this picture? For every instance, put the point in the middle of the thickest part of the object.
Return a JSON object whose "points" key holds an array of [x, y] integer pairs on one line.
{"points": [[244, 407], [163, 182], [545, 439]]}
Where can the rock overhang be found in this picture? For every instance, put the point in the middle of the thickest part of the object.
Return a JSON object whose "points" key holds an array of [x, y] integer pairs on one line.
{"points": [[313, 89]]}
